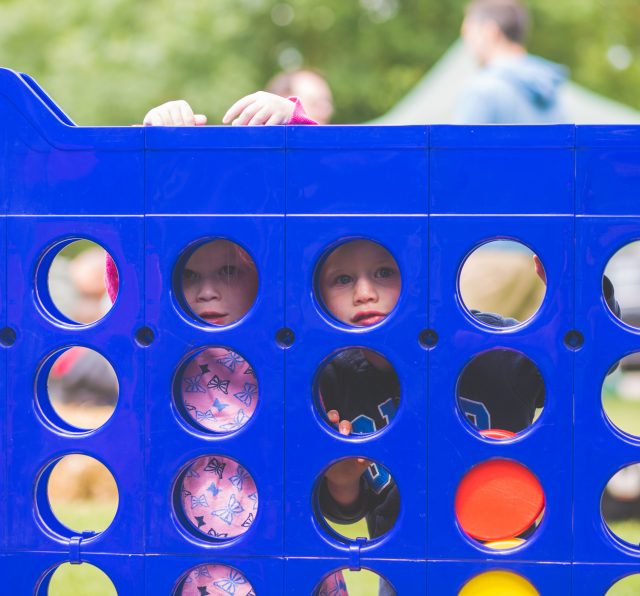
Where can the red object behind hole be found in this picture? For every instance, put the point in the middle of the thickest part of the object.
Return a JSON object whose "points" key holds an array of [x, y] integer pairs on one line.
{"points": [[498, 499], [497, 433]]}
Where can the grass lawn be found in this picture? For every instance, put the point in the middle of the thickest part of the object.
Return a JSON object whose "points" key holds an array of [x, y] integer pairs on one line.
{"points": [[80, 580], [629, 586], [623, 414]]}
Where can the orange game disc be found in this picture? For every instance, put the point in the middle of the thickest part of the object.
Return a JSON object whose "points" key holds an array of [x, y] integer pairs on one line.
{"points": [[497, 500], [497, 433]]}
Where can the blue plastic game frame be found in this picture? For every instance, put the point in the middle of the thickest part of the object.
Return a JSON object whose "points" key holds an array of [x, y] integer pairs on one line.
{"points": [[430, 195]]}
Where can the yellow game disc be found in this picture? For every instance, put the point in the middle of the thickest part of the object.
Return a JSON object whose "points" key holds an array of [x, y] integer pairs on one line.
{"points": [[498, 583], [505, 544]]}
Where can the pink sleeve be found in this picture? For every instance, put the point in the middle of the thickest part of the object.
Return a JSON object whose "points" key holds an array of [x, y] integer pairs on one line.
{"points": [[299, 115], [111, 278]]}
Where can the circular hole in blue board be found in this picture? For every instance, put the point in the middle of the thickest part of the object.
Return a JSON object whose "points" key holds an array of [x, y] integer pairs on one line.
{"points": [[623, 273], [70, 282], [216, 498], [357, 392], [358, 283], [620, 504], [500, 389], [216, 390], [368, 508], [627, 586], [502, 277], [77, 494], [349, 582], [77, 389], [216, 282], [621, 394], [213, 578], [66, 579]]}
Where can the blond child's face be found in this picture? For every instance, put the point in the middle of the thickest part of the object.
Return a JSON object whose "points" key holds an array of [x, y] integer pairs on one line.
{"points": [[220, 282], [360, 283]]}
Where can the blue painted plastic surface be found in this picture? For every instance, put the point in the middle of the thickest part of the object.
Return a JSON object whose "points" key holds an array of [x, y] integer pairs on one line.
{"points": [[430, 195]]}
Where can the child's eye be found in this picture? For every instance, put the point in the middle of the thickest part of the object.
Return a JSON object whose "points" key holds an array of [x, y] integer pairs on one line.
{"points": [[342, 280], [385, 272], [228, 271], [190, 275]]}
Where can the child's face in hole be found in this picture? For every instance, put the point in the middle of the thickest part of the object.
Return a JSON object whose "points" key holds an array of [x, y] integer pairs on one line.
{"points": [[220, 282], [360, 283]]}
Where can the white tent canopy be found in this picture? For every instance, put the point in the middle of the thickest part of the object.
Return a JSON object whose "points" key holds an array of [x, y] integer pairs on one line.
{"points": [[433, 99]]}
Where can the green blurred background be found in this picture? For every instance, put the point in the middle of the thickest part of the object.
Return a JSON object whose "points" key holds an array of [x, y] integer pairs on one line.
{"points": [[106, 62]]}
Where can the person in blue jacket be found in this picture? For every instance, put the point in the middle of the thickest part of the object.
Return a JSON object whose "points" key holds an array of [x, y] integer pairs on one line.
{"points": [[513, 86]]}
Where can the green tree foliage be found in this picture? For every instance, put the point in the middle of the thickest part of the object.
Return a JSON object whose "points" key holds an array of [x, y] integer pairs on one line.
{"points": [[108, 61]]}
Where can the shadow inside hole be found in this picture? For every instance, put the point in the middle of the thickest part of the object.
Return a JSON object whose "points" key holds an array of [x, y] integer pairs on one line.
{"points": [[285, 337], [357, 499], [621, 395], [217, 283], [500, 390], [81, 495], [623, 271], [357, 392], [620, 504], [222, 579], [72, 284], [68, 579], [499, 503], [358, 283], [215, 498], [79, 388], [145, 337], [361, 582], [7, 337], [502, 278]]}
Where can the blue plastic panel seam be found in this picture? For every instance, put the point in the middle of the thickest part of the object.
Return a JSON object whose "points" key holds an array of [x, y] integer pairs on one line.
{"points": [[573, 355], [4, 495], [284, 355], [143, 379]]}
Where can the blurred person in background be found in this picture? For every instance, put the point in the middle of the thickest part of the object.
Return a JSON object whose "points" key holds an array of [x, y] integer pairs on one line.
{"points": [[311, 88], [621, 497], [86, 272], [513, 86], [82, 378]]}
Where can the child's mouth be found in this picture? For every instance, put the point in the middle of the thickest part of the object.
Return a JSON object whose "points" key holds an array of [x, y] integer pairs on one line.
{"points": [[367, 318], [213, 317]]}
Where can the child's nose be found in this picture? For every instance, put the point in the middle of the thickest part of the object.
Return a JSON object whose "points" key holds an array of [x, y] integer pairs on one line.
{"points": [[364, 291], [208, 290]]}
